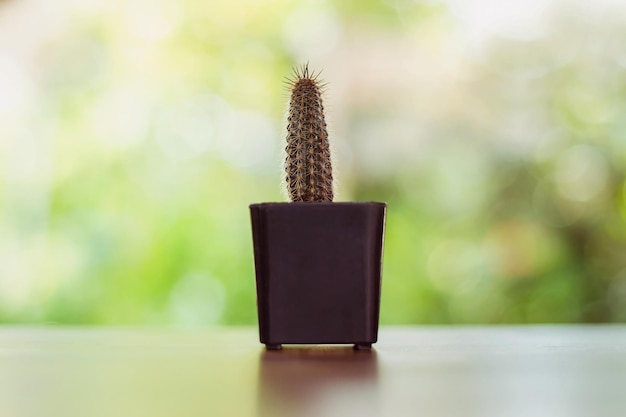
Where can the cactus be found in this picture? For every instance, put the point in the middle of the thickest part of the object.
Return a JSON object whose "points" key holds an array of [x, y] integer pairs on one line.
{"points": [[308, 168]]}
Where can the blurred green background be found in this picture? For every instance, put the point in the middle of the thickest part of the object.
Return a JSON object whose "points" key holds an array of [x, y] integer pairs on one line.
{"points": [[133, 136]]}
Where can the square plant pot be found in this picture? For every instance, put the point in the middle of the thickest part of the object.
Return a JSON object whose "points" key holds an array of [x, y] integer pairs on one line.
{"points": [[318, 272]]}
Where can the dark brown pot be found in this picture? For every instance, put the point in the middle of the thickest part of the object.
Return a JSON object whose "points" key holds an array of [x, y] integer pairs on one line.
{"points": [[318, 272]]}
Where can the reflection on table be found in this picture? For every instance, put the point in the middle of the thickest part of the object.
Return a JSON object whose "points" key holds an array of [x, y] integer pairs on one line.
{"points": [[554, 371]]}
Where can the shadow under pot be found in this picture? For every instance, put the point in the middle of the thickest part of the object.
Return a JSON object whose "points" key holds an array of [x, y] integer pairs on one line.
{"points": [[318, 272]]}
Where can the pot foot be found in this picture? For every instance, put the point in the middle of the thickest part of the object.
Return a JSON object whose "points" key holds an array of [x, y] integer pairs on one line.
{"points": [[274, 347], [362, 346]]}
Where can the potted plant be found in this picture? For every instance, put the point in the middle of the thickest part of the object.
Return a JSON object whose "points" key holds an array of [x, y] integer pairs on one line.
{"points": [[317, 262]]}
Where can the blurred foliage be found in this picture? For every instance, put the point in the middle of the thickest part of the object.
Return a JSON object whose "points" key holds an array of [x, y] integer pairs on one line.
{"points": [[133, 136]]}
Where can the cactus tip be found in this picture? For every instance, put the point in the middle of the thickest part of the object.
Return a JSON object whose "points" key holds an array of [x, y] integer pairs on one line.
{"points": [[308, 165]]}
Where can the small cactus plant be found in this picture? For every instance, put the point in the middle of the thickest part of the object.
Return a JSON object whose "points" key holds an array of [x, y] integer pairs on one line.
{"points": [[308, 168], [298, 294]]}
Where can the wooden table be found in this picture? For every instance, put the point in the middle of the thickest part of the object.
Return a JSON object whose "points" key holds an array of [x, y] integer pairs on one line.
{"points": [[412, 371]]}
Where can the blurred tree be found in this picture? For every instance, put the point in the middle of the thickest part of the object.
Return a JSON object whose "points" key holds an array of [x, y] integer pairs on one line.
{"points": [[493, 132]]}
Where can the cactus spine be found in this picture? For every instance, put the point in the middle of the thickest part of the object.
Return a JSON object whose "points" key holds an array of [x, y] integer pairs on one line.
{"points": [[309, 174]]}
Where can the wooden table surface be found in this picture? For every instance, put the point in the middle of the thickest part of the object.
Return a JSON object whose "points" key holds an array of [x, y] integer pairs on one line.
{"points": [[412, 371]]}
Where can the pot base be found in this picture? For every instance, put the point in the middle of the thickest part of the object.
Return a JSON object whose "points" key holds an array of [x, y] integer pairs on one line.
{"points": [[273, 347], [362, 346], [357, 346]]}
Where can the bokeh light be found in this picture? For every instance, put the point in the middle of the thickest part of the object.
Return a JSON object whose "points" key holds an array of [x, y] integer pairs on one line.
{"points": [[133, 136]]}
